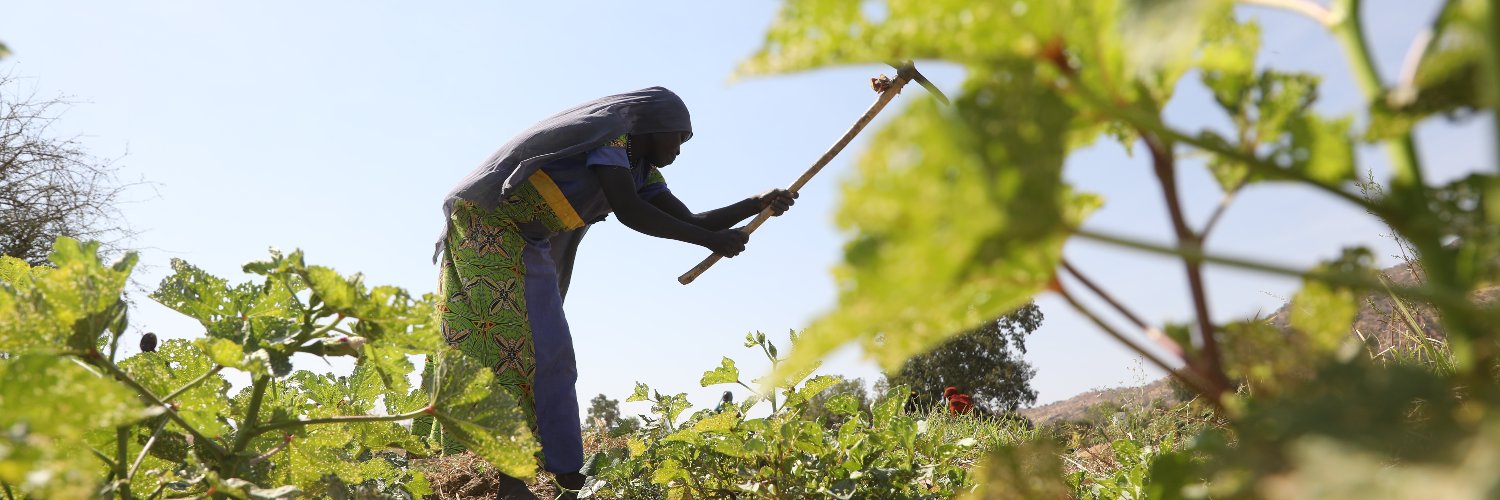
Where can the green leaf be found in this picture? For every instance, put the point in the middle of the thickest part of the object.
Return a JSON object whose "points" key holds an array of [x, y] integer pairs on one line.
{"points": [[175, 363], [197, 294], [843, 404], [340, 294], [50, 404], [233, 355], [1324, 312], [888, 406], [642, 393], [726, 373], [959, 216], [486, 419], [1227, 61], [13, 269], [71, 304], [812, 388], [1031, 469], [1321, 149]]}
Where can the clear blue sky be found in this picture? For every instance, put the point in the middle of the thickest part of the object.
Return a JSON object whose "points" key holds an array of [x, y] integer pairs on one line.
{"points": [[338, 126]]}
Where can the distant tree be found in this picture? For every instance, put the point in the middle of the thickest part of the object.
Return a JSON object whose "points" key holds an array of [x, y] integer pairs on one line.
{"points": [[817, 407], [604, 413], [50, 186], [985, 363]]}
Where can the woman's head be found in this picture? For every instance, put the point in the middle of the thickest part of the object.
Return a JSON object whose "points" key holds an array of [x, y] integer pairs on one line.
{"points": [[660, 148], [659, 124]]}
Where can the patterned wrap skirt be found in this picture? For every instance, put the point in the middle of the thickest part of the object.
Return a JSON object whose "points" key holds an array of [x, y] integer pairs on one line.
{"points": [[500, 303]]}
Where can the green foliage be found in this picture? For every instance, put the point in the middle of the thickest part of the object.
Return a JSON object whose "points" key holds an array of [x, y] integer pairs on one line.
{"points": [[79, 424], [958, 214], [791, 452]]}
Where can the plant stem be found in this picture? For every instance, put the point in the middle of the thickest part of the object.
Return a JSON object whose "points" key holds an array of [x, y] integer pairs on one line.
{"points": [[172, 414], [252, 418], [349, 419], [1266, 168], [122, 453], [1152, 332], [146, 449], [107, 461], [1198, 384], [193, 383], [6, 486], [1454, 301], [1307, 8], [1164, 163], [1349, 30]]}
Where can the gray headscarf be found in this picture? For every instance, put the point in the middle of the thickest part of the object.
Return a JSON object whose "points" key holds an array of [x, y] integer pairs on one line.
{"points": [[574, 131]]}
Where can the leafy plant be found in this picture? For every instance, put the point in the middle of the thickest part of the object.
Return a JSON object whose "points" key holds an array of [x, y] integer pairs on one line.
{"points": [[786, 454], [80, 423], [958, 214]]}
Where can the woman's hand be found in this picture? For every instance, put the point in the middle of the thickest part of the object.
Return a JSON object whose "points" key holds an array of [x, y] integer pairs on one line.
{"points": [[779, 200], [728, 242]]}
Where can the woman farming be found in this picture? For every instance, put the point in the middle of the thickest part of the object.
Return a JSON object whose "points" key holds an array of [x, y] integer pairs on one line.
{"points": [[513, 226]]}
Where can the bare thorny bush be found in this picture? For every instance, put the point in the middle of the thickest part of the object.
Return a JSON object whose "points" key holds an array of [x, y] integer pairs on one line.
{"points": [[51, 186]]}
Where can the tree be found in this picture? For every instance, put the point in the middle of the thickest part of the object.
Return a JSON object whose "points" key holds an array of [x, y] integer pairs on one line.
{"points": [[604, 413], [50, 186], [984, 363]]}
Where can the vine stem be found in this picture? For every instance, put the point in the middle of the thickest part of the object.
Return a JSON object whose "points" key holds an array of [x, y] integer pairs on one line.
{"points": [[252, 417], [122, 453], [1165, 165], [146, 393], [1349, 31], [1438, 296], [193, 383], [1152, 332], [1308, 8], [348, 419], [145, 449], [1198, 384]]}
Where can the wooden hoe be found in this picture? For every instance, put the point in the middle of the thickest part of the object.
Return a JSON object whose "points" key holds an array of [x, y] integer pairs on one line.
{"points": [[887, 89]]}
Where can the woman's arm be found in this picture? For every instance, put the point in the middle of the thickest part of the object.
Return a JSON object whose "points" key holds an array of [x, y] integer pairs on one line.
{"points": [[727, 216], [619, 188]]}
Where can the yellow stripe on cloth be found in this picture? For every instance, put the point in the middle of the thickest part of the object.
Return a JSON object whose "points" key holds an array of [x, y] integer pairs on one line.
{"points": [[556, 200]]}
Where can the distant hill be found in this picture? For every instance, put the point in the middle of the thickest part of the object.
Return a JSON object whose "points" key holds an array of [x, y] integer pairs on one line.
{"points": [[1074, 408]]}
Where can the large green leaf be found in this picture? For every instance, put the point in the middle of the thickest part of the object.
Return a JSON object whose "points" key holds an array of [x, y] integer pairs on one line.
{"points": [[482, 416], [71, 304], [726, 373], [957, 215], [49, 404]]}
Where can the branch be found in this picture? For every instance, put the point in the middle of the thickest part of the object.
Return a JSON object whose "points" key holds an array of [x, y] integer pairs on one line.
{"points": [[193, 383], [1347, 28], [1164, 163], [1308, 8], [1266, 168], [1152, 332], [349, 419], [146, 393], [1457, 301], [1192, 380], [146, 449]]}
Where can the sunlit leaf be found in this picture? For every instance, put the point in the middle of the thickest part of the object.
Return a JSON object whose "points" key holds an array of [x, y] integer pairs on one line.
{"points": [[486, 419], [726, 373]]}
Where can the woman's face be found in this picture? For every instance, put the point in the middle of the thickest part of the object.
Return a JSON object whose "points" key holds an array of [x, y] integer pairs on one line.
{"points": [[662, 148]]}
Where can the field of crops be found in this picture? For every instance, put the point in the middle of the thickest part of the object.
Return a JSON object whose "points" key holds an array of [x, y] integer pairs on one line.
{"points": [[956, 214]]}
